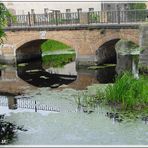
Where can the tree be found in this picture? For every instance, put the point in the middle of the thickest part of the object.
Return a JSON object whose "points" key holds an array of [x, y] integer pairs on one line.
{"points": [[138, 12], [4, 18], [137, 6]]}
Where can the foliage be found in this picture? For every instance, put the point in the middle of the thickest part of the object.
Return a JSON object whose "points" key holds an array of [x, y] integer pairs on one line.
{"points": [[139, 15], [137, 6], [57, 60], [143, 68], [128, 92], [52, 45], [4, 15], [94, 17]]}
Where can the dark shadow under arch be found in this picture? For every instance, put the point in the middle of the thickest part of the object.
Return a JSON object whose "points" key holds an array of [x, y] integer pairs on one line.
{"points": [[34, 74], [29, 51], [106, 53]]}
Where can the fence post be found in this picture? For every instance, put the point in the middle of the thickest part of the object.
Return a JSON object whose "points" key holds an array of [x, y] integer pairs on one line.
{"points": [[146, 15], [118, 14], [34, 19], [78, 16], [29, 19], [56, 17], [84, 18], [9, 21]]}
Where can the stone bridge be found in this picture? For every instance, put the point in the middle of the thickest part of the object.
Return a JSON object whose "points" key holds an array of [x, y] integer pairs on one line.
{"points": [[91, 42]]}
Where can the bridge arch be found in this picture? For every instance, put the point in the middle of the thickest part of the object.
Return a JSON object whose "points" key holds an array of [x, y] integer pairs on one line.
{"points": [[31, 50], [106, 52]]}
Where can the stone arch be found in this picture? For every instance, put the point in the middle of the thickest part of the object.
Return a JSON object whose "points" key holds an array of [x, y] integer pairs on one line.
{"points": [[29, 50], [106, 52], [107, 39], [35, 35]]}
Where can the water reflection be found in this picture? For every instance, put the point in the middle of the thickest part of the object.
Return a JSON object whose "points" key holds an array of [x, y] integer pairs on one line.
{"points": [[12, 102], [34, 74], [106, 75], [18, 102]]}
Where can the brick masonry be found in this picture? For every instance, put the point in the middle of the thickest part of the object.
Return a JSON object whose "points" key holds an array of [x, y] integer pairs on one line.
{"points": [[85, 42]]}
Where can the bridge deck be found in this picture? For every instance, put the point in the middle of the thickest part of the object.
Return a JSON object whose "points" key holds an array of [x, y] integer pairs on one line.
{"points": [[75, 27]]}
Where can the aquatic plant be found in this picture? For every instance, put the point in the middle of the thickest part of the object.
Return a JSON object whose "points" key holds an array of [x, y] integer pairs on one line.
{"points": [[101, 66], [8, 130], [89, 100], [128, 92]]}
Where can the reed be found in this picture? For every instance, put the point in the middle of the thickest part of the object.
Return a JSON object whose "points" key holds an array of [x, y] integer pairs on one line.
{"points": [[128, 92]]}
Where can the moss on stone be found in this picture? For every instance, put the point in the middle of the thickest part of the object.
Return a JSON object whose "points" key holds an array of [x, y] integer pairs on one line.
{"points": [[143, 68], [127, 47], [22, 64]]}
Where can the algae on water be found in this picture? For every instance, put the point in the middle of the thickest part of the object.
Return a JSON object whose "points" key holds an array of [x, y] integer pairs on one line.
{"points": [[101, 66]]}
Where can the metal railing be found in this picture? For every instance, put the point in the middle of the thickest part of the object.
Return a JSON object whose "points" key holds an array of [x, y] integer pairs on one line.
{"points": [[27, 104], [117, 17], [99, 17]]}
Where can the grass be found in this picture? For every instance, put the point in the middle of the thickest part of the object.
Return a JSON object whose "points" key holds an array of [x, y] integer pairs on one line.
{"points": [[57, 60], [128, 92], [52, 45]]}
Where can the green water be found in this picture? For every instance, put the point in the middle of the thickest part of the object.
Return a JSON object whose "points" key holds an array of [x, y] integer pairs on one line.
{"points": [[70, 125]]}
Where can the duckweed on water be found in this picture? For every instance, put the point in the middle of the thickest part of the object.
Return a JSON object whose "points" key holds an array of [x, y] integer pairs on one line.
{"points": [[22, 64], [101, 66]]}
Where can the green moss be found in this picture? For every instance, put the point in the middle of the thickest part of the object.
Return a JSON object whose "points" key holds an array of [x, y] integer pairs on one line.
{"points": [[2, 66], [22, 64], [137, 6], [127, 47], [143, 68], [52, 45]]}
